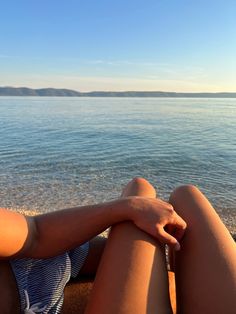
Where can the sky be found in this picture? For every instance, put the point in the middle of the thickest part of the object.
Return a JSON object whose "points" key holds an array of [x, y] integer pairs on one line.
{"points": [[119, 45]]}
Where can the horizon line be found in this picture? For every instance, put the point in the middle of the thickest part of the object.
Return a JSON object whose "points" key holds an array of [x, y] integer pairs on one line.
{"points": [[120, 91]]}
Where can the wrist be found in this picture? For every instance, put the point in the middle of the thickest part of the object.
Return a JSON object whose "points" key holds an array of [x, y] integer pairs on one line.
{"points": [[126, 208], [121, 210]]}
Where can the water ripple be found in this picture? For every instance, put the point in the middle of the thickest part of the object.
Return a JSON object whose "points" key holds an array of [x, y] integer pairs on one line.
{"points": [[59, 152]]}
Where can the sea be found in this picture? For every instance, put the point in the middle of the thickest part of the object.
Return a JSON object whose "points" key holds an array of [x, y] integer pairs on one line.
{"points": [[60, 152]]}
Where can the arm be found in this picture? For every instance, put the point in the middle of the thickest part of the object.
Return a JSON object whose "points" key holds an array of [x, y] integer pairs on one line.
{"points": [[53, 233]]}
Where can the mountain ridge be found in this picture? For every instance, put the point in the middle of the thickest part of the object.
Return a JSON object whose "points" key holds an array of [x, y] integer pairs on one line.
{"points": [[63, 92]]}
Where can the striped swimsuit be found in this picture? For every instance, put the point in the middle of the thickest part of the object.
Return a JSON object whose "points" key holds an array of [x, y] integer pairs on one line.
{"points": [[41, 282]]}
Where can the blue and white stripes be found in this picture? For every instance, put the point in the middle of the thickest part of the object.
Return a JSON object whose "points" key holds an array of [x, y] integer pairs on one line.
{"points": [[41, 282]]}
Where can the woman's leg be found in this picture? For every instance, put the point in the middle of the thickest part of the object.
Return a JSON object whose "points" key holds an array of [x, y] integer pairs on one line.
{"points": [[206, 264], [96, 248], [132, 276]]}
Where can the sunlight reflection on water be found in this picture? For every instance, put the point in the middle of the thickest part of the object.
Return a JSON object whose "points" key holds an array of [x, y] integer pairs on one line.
{"points": [[61, 152]]}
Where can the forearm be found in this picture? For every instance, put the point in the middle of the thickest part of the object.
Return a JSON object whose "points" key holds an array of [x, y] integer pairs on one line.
{"points": [[53, 233], [60, 231]]}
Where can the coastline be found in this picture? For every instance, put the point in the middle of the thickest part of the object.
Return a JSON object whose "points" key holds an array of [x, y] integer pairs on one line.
{"points": [[64, 92]]}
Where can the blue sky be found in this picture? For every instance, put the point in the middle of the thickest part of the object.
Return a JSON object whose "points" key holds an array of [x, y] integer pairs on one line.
{"points": [[171, 45]]}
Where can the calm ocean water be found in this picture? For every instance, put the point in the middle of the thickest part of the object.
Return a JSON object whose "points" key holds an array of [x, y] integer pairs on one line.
{"points": [[61, 152]]}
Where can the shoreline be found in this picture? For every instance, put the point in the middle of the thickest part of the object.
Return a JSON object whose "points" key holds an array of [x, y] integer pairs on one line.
{"points": [[10, 91]]}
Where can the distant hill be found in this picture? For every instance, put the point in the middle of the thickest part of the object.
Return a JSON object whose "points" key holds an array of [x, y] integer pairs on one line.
{"points": [[24, 91]]}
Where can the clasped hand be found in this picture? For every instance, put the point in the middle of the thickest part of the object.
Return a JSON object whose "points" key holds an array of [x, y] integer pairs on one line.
{"points": [[159, 219]]}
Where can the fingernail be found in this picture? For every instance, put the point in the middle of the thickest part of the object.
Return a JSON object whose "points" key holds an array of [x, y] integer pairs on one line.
{"points": [[177, 246]]}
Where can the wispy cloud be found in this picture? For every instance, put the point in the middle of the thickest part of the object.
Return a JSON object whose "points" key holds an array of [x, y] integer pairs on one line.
{"points": [[145, 68], [125, 62], [5, 56], [152, 70], [109, 83]]}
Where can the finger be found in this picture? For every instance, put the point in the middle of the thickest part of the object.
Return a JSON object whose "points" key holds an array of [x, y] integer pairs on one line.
{"points": [[176, 232], [176, 227], [179, 222], [166, 238]]}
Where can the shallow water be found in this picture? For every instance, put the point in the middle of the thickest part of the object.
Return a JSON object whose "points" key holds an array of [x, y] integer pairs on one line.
{"points": [[61, 152]]}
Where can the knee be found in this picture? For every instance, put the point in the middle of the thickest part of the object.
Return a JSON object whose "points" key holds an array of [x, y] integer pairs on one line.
{"points": [[138, 181], [188, 188], [139, 187], [183, 192], [182, 199]]}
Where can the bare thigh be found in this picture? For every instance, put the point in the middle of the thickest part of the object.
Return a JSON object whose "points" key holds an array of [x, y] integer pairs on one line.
{"points": [[132, 276], [96, 249], [206, 265], [138, 186]]}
